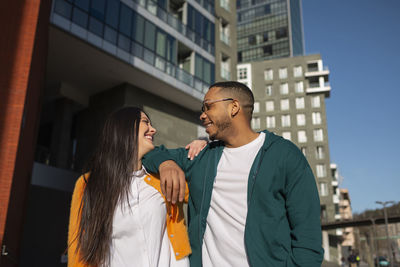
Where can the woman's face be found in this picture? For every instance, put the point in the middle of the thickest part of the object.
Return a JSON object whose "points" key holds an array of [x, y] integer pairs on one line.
{"points": [[145, 135]]}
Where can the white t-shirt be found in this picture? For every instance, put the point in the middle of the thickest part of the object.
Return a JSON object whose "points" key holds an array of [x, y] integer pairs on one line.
{"points": [[139, 236], [224, 236]]}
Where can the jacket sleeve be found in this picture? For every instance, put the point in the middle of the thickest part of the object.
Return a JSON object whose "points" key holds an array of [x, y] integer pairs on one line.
{"points": [[74, 218], [303, 209], [154, 158]]}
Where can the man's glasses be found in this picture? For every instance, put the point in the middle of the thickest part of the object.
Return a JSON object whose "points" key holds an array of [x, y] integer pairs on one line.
{"points": [[207, 104]]}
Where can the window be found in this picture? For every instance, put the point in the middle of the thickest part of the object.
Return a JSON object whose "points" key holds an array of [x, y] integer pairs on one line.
{"points": [[242, 73], [281, 33], [255, 123], [282, 73], [318, 135], [269, 106], [270, 122], [252, 40], [299, 102], [302, 136], [299, 87], [285, 119], [297, 71], [265, 37], [303, 150], [316, 118], [284, 89], [256, 107], [315, 102], [323, 189], [268, 90], [301, 119], [319, 152], [269, 75], [321, 170], [284, 104], [287, 135], [267, 50]]}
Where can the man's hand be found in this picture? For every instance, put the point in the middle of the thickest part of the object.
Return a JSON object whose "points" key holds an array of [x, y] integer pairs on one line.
{"points": [[172, 180], [195, 147]]}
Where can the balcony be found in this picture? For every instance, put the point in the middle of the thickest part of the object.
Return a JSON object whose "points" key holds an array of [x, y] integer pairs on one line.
{"points": [[313, 71], [225, 4], [226, 74], [225, 38]]}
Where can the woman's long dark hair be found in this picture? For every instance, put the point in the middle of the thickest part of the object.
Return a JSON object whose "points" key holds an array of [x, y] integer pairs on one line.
{"points": [[111, 168]]}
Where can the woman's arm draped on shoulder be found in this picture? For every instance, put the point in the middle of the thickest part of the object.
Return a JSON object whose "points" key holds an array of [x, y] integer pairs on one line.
{"points": [[172, 165]]}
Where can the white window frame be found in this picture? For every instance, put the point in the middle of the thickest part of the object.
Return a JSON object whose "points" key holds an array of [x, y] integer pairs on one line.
{"points": [[284, 88], [283, 73], [315, 101], [297, 71], [269, 105], [316, 118], [270, 121], [318, 135], [255, 123], [285, 105], [300, 103], [268, 89], [301, 119], [321, 170], [287, 135], [269, 74], [299, 87], [256, 107], [285, 120], [302, 136]]}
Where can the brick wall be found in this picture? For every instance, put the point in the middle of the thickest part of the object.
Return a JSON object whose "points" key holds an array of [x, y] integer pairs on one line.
{"points": [[21, 79]]}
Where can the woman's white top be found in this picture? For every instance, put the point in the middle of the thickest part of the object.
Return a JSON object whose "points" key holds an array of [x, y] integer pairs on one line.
{"points": [[139, 236]]}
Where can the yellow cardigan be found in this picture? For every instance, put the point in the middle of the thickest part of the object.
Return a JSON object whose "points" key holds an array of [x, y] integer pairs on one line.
{"points": [[176, 227]]}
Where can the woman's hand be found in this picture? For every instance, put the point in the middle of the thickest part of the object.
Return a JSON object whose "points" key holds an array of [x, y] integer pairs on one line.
{"points": [[195, 147]]}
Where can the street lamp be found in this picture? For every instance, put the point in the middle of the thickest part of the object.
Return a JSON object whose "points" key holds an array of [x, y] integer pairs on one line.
{"points": [[384, 204]]}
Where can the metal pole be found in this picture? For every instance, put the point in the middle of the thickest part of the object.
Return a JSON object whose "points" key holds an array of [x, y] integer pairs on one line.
{"points": [[387, 230]]}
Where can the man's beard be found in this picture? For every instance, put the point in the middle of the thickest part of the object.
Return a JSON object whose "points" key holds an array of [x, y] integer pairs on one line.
{"points": [[221, 127]]}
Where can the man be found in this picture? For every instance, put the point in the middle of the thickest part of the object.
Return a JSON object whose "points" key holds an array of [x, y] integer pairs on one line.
{"points": [[253, 199]]}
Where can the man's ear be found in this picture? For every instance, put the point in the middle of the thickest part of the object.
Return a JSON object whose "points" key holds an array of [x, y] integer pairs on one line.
{"points": [[235, 108]]}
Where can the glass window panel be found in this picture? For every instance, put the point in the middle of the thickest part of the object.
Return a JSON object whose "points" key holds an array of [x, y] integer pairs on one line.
{"points": [[298, 87], [284, 89], [285, 120], [302, 137], [284, 104], [95, 26], [112, 13], [207, 71], [63, 8], [287, 135], [149, 37], [110, 35], [301, 119], [255, 123], [282, 73], [256, 107], [124, 42], [270, 120], [97, 9], [139, 29], [125, 20], [198, 71], [315, 102], [84, 4], [269, 105], [299, 102], [79, 17], [161, 43]]}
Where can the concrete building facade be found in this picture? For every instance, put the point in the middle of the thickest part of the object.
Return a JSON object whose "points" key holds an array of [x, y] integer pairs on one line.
{"points": [[97, 56], [290, 95], [269, 29]]}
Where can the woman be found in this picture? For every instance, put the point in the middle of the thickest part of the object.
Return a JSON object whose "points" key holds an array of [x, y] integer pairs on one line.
{"points": [[118, 215]]}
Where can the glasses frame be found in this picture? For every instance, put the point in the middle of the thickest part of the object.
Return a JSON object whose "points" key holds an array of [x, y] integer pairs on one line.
{"points": [[210, 102]]}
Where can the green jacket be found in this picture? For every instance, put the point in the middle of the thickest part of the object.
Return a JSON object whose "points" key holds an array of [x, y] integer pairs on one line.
{"points": [[283, 217]]}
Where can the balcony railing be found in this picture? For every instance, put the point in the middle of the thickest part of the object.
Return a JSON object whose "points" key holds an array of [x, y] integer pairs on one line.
{"points": [[131, 47]]}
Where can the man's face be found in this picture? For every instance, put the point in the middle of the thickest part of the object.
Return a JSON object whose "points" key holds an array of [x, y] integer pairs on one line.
{"points": [[216, 117]]}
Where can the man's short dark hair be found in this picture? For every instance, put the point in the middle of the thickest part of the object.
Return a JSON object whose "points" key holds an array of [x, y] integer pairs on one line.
{"points": [[240, 92]]}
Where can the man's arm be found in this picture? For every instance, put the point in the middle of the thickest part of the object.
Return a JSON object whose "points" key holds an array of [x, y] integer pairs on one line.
{"points": [[172, 164], [303, 209]]}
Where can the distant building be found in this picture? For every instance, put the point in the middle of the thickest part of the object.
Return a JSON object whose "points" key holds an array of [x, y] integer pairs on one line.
{"points": [[347, 234], [269, 29], [290, 96], [96, 56]]}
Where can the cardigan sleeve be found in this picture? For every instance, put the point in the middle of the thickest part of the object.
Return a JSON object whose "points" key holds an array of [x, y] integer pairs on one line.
{"points": [[74, 218], [303, 209]]}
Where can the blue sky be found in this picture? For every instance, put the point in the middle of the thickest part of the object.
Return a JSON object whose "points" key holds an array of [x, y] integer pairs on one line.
{"points": [[359, 40]]}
